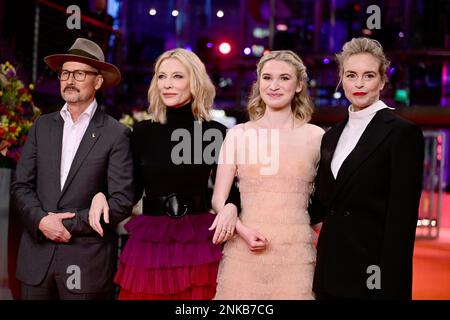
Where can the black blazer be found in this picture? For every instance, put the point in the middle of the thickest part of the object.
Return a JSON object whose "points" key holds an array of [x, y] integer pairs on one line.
{"points": [[370, 211], [103, 163]]}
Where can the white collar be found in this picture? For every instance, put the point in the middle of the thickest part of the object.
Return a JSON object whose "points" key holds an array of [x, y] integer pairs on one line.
{"points": [[368, 111], [89, 111]]}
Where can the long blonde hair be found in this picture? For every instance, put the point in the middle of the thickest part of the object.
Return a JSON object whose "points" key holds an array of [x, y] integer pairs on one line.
{"points": [[201, 88], [301, 105]]}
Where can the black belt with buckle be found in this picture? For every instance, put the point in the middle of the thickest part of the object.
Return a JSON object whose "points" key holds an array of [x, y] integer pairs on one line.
{"points": [[174, 205]]}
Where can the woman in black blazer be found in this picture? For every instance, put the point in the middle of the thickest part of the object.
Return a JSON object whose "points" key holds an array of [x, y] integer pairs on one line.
{"points": [[367, 188]]}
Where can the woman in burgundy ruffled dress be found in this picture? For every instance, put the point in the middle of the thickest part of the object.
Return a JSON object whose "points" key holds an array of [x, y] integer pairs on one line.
{"points": [[173, 251]]}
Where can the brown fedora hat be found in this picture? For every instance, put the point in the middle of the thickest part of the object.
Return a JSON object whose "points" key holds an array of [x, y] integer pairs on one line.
{"points": [[88, 52]]}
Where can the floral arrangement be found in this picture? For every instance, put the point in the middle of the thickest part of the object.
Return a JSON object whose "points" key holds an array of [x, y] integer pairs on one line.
{"points": [[17, 112], [137, 116]]}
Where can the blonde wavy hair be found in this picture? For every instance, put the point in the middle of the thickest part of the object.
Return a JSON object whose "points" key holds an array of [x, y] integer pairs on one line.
{"points": [[201, 88], [363, 45], [301, 104]]}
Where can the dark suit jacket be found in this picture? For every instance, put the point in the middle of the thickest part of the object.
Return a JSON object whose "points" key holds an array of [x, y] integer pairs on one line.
{"points": [[370, 211], [103, 163]]}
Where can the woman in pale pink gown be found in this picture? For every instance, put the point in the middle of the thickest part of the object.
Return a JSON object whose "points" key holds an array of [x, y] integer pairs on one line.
{"points": [[274, 156]]}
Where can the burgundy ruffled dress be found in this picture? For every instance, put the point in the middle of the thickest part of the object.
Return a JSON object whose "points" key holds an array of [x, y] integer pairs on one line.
{"points": [[165, 257]]}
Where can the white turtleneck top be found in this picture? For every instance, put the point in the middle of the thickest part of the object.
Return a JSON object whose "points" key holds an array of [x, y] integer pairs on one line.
{"points": [[356, 124]]}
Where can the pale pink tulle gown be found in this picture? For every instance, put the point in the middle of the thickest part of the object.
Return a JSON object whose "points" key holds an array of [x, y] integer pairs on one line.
{"points": [[275, 205]]}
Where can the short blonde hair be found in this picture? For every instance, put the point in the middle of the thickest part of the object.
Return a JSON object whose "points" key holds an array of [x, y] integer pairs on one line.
{"points": [[201, 88], [301, 105], [363, 45]]}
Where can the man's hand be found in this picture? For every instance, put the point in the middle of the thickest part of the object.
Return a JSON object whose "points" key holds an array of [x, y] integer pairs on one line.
{"points": [[53, 228]]}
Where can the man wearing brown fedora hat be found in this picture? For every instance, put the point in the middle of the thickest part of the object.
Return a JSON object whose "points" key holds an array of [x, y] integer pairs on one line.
{"points": [[69, 157]]}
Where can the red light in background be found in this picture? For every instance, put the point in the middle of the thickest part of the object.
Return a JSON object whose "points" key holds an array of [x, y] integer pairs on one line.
{"points": [[225, 48]]}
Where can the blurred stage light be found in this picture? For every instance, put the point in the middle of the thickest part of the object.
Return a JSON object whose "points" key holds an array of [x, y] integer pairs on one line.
{"points": [[391, 71], [326, 61], [224, 48], [209, 45], [401, 34], [175, 13], [261, 33], [282, 27], [152, 11], [424, 222], [247, 51], [219, 14], [257, 50], [337, 95], [401, 95], [225, 82]]}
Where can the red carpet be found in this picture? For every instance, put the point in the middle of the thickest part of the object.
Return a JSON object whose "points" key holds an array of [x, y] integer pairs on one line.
{"points": [[431, 278]]}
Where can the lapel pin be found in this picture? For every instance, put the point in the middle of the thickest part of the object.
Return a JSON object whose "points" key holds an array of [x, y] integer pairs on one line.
{"points": [[93, 134]]}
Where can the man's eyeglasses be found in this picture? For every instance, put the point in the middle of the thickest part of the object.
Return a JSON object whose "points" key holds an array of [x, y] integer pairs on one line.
{"points": [[79, 75]]}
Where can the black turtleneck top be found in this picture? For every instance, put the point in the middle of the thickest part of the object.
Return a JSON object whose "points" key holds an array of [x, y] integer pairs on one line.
{"points": [[158, 147]]}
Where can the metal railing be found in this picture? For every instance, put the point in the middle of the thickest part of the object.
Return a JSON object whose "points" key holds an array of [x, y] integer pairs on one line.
{"points": [[433, 184]]}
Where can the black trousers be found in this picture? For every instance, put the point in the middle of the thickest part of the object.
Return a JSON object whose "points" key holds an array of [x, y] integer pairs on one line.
{"points": [[54, 287]]}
